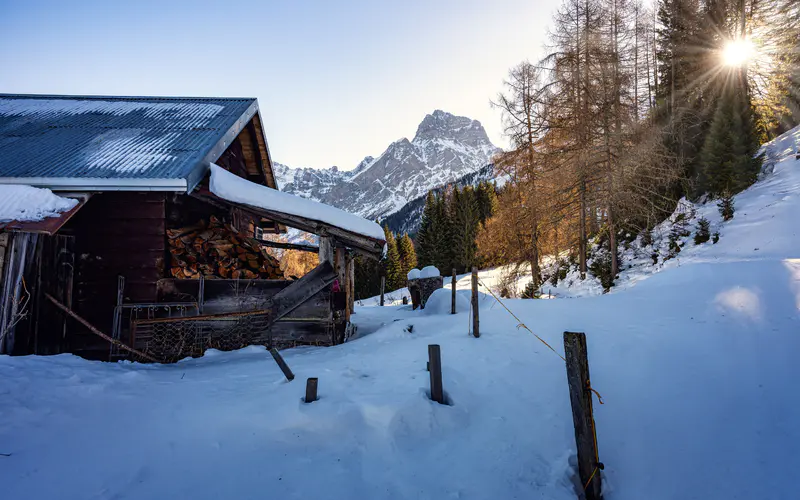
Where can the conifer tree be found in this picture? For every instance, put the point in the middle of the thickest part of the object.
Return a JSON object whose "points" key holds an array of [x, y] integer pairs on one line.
{"points": [[392, 267], [408, 257], [465, 222], [728, 159], [367, 277], [441, 231], [425, 235]]}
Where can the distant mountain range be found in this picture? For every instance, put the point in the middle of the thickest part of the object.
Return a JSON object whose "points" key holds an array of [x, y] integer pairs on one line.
{"points": [[445, 149]]}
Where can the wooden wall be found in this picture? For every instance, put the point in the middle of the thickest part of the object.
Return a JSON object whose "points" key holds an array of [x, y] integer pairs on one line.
{"points": [[116, 233]]}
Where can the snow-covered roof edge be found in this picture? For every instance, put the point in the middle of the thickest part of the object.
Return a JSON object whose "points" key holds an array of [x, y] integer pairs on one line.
{"points": [[235, 189], [30, 204]]}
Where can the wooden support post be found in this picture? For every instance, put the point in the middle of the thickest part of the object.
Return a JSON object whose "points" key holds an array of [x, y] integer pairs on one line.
{"points": [[580, 396], [287, 372], [453, 295], [326, 253], [351, 280], [383, 285], [435, 367], [311, 390], [475, 319]]}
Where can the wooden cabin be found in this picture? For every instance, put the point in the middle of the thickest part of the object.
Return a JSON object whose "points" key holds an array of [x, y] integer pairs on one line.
{"points": [[150, 255]]}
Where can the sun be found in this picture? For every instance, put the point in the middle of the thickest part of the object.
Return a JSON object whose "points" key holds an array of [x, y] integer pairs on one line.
{"points": [[738, 52]]}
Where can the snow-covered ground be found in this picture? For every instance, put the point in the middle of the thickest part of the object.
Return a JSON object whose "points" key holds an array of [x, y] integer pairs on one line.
{"points": [[696, 362]]}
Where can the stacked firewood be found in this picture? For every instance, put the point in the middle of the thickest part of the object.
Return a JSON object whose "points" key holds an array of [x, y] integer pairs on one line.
{"points": [[217, 250]]}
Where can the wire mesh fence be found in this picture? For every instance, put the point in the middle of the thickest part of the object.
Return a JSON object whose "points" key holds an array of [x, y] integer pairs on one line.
{"points": [[171, 339]]}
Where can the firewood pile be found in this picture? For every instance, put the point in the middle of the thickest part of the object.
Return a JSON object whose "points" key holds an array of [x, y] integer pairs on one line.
{"points": [[217, 250]]}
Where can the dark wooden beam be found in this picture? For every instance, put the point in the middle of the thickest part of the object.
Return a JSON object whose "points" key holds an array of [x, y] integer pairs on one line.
{"points": [[251, 129], [290, 246]]}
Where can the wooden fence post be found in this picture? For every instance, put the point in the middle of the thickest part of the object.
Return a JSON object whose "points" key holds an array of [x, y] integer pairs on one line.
{"points": [[287, 372], [580, 396], [475, 319], [435, 367], [311, 390], [383, 285], [453, 284]]}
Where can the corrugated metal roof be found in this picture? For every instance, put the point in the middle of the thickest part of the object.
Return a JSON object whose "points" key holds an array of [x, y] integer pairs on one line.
{"points": [[76, 142]]}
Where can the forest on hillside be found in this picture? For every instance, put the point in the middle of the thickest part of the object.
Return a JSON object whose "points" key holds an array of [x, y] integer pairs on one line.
{"points": [[633, 107]]}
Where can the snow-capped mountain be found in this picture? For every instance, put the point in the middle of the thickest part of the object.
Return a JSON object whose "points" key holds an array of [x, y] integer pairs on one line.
{"points": [[445, 148]]}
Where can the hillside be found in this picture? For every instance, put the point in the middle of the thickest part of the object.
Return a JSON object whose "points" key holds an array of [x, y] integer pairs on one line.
{"points": [[695, 362]]}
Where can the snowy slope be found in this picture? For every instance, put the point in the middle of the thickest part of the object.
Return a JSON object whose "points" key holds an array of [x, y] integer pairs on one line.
{"points": [[696, 364]]}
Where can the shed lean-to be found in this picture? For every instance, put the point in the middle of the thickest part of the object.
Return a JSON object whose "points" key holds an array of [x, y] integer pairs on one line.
{"points": [[156, 236]]}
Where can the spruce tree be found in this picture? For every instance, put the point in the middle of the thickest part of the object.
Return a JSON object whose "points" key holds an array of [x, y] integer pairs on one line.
{"points": [[703, 232], [394, 279], [440, 229], [465, 230], [425, 235], [367, 277], [728, 160], [486, 200], [408, 257]]}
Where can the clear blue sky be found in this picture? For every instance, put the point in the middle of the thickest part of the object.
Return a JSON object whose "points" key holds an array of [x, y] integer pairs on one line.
{"points": [[336, 80]]}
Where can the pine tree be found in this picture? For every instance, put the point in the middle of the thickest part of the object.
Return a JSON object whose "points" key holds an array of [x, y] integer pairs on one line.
{"points": [[392, 266], [408, 257], [728, 160], [441, 232], [726, 208], [425, 235], [703, 232], [465, 222], [367, 277], [486, 200]]}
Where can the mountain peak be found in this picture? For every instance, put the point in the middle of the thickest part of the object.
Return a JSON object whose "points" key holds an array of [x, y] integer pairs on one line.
{"points": [[445, 148], [443, 125]]}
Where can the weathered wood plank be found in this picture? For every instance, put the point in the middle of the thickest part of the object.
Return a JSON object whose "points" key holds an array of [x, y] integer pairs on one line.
{"points": [[290, 246], [435, 368]]}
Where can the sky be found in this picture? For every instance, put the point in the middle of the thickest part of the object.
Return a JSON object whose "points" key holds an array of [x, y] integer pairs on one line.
{"points": [[336, 80]]}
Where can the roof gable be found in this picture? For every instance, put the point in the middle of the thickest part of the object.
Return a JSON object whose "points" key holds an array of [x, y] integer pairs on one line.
{"points": [[136, 143]]}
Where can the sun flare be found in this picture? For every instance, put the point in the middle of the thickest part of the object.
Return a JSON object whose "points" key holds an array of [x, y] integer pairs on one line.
{"points": [[738, 52]]}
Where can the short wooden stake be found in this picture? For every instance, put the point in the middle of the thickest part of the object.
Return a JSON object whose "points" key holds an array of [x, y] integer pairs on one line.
{"points": [[475, 320], [435, 367], [453, 284], [311, 390], [287, 372], [383, 285], [580, 396]]}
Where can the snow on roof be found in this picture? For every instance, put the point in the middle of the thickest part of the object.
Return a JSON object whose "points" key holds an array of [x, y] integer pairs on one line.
{"points": [[26, 203], [233, 188]]}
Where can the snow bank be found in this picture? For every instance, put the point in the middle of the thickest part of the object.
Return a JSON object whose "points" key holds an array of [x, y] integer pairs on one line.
{"points": [[233, 188], [429, 272], [413, 274], [27, 203]]}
